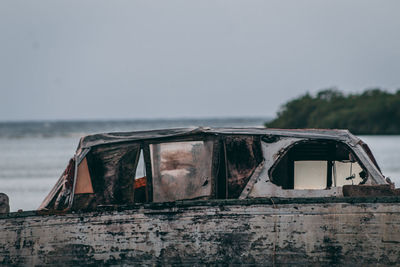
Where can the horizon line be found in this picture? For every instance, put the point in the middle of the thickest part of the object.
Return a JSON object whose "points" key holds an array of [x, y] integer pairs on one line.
{"points": [[139, 119]]}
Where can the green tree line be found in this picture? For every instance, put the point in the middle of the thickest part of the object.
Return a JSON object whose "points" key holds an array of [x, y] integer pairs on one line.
{"points": [[374, 111]]}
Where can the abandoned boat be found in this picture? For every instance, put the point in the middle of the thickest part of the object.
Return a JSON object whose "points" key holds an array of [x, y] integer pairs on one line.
{"points": [[201, 195]]}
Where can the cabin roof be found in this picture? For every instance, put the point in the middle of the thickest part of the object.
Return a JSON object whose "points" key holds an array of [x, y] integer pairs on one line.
{"points": [[116, 157], [117, 137]]}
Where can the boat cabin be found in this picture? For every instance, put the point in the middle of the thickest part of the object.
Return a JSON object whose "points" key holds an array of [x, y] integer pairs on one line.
{"points": [[204, 163]]}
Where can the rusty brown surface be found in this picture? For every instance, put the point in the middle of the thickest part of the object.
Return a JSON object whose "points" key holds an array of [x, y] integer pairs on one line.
{"points": [[369, 190], [83, 181]]}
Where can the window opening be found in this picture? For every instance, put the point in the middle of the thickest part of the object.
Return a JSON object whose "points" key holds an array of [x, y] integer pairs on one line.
{"points": [[243, 155], [317, 165], [181, 170], [112, 169]]}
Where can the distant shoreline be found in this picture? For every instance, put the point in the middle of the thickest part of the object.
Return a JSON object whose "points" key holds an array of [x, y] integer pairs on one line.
{"points": [[373, 112]]}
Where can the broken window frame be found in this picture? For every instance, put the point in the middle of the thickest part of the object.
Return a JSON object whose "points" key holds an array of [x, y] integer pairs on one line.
{"points": [[204, 138], [329, 177], [259, 161], [102, 197]]}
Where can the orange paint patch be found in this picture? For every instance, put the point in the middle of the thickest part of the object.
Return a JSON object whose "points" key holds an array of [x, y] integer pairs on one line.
{"points": [[140, 182], [83, 183]]}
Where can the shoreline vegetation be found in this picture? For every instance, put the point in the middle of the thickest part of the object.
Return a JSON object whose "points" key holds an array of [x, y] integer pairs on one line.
{"points": [[373, 112]]}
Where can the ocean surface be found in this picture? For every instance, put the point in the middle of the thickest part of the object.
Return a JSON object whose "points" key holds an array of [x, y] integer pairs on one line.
{"points": [[34, 154]]}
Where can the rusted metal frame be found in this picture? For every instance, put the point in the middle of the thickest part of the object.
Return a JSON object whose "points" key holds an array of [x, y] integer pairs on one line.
{"points": [[222, 182], [195, 137], [182, 136], [368, 151], [82, 155], [216, 156], [149, 172], [159, 140], [358, 152], [219, 169], [254, 177], [71, 199]]}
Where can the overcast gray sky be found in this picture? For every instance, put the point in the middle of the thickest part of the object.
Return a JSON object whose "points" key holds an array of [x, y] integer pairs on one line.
{"points": [[204, 58]]}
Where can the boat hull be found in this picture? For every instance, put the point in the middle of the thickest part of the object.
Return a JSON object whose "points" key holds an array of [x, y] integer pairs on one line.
{"points": [[265, 232]]}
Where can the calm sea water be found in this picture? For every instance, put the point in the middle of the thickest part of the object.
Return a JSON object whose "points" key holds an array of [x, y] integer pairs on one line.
{"points": [[34, 154]]}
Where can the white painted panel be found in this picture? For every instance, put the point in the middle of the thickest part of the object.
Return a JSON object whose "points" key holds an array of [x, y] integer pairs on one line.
{"points": [[310, 174], [344, 170]]}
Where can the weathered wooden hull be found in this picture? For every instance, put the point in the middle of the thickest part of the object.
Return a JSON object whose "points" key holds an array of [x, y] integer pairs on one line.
{"points": [[265, 232]]}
